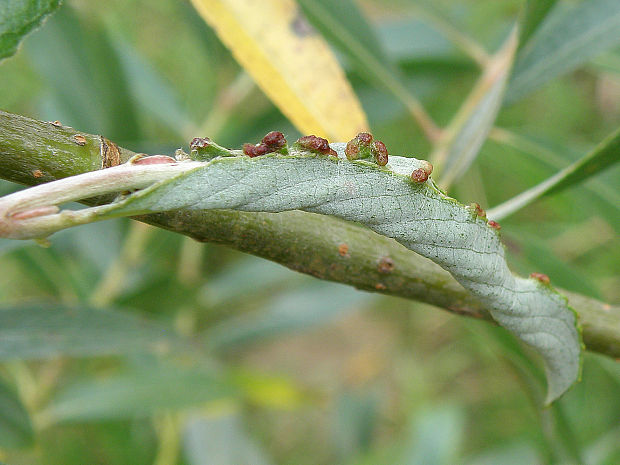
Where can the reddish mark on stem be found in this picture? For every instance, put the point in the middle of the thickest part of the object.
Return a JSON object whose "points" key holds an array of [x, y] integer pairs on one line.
{"points": [[494, 225], [56, 123], [343, 250], [380, 287], [37, 173], [35, 212], [386, 265], [79, 139], [543, 278]]}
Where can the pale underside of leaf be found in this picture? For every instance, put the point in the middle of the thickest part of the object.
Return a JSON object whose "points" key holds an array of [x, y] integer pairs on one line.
{"points": [[290, 62], [419, 216]]}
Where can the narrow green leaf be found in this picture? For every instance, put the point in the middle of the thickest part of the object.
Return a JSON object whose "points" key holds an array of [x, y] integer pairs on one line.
{"points": [[608, 62], [436, 437], [220, 439], [356, 418], [410, 40], [7, 246], [15, 426], [516, 453], [32, 331], [386, 199], [18, 18], [534, 13], [604, 155], [350, 30], [75, 56], [463, 138], [151, 92], [554, 157], [249, 277], [567, 39], [299, 310], [138, 393]]}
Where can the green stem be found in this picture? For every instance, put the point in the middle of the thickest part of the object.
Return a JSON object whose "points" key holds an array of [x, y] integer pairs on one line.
{"points": [[318, 245]]}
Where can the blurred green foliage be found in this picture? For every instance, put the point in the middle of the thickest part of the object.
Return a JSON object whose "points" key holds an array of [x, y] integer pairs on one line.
{"points": [[221, 358]]}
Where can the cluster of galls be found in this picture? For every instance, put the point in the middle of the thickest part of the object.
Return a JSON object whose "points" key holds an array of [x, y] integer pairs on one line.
{"points": [[363, 146], [272, 142]]}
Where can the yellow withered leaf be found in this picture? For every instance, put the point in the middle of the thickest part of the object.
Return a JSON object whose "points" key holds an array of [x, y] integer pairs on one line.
{"points": [[290, 62]]}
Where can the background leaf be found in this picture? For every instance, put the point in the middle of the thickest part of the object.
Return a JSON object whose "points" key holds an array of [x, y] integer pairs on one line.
{"points": [[346, 26], [220, 439], [533, 15], [287, 59], [45, 331], [18, 18], [94, 95], [567, 39], [605, 155], [15, 426], [436, 437], [462, 139], [139, 392], [302, 309]]}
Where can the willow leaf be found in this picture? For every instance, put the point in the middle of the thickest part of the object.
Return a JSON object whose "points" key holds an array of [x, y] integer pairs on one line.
{"points": [[39, 331], [606, 154], [385, 199], [533, 15], [15, 425], [18, 18], [290, 62], [566, 39], [463, 138]]}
